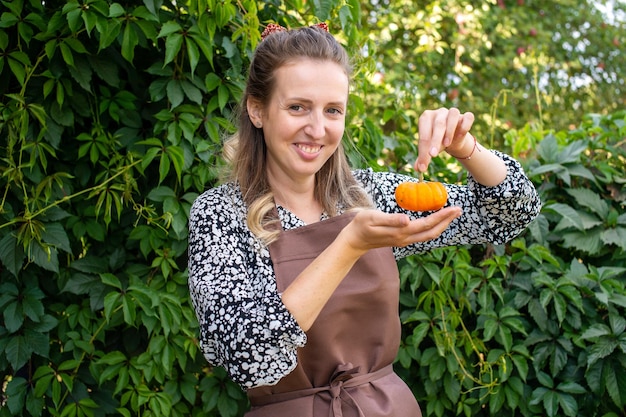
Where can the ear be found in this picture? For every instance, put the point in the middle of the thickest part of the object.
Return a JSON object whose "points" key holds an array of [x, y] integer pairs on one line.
{"points": [[255, 111]]}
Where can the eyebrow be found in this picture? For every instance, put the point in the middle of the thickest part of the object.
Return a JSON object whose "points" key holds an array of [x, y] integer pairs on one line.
{"points": [[306, 100]]}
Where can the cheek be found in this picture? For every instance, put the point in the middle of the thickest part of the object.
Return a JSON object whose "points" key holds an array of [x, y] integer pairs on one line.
{"points": [[338, 131]]}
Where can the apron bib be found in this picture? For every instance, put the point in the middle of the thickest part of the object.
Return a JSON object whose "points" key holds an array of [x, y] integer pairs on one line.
{"points": [[345, 369]]}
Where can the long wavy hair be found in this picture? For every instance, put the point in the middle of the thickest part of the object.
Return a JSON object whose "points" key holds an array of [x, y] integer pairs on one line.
{"points": [[335, 187]]}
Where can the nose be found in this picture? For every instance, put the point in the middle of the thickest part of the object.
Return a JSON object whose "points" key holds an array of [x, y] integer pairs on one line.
{"points": [[316, 127]]}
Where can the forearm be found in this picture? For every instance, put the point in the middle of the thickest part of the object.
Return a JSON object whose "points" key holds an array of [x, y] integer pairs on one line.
{"points": [[311, 290]]}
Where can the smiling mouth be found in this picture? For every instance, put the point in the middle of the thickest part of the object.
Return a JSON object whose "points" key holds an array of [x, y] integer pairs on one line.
{"points": [[308, 148]]}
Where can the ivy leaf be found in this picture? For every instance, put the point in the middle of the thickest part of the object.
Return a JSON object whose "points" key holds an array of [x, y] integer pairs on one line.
{"points": [[116, 10], [90, 265], [212, 81], [169, 27], [46, 257], [74, 20], [229, 47], [55, 234], [192, 92], [112, 358], [570, 217], [66, 52], [39, 343], [587, 198], [164, 167], [323, 8], [589, 242], [17, 67], [16, 391], [601, 349], [129, 310], [129, 42], [81, 283], [153, 6], [551, 403], [82, 73], [11, 254], [571, 153], [8, 293], [18, 351], [173, 43], [45, 324], [615, 236], [616, 385], [161, 193], [571, 387], [177, 157], [568, 405], [13, 316], [193, 53], [108, 30], [188, 384], [203, 43], [175, 93], [521, 364], [111, 301], [32, 306]]}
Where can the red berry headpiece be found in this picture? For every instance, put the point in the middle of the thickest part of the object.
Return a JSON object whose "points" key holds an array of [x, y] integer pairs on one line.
{"points": [[273, 28]]}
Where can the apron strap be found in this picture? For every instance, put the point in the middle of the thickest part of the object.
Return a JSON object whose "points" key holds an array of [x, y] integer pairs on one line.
{"points": [[342, 378]]}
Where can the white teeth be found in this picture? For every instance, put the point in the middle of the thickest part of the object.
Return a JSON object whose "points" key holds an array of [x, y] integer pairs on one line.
{"points": [[309, 149]]}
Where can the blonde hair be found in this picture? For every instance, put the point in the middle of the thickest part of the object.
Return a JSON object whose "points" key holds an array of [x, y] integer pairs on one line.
{"points": [[245, 151]]}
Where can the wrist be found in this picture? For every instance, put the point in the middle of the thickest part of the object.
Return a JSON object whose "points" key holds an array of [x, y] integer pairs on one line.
{"points": [[348, 245], [467, 150]]}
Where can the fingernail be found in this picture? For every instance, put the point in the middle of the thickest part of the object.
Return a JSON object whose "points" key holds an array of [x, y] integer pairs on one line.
{"points": [[434, 151]]}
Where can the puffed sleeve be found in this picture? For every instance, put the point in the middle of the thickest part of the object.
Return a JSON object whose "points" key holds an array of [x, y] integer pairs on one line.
{"points": [[244, 326], [490, 214]]}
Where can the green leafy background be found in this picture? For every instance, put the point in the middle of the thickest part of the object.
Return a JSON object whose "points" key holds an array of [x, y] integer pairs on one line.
{"points": [[111, 122]]}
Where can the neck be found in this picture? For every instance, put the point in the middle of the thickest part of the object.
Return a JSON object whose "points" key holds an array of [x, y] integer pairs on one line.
{"points": [[303, 205]]}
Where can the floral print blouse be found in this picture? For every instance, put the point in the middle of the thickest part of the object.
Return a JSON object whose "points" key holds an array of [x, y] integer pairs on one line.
{"points": [[245, 327]]}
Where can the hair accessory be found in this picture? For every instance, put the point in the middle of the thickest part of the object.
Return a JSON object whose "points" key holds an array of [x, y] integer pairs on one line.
{"points": [[321, 25], [273, 28]]}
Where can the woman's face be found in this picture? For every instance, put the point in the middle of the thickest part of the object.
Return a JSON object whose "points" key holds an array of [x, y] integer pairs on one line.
{"points": [[304, 120]]}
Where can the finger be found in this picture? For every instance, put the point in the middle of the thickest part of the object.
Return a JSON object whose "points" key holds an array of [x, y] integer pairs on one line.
{"points": [[440, 126], [393, 220], [453, 121], [434, 225], [466, 121], [425, 130]]}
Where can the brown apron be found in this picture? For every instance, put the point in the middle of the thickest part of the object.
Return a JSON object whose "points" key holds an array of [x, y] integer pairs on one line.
{"points": [[345, 368]]}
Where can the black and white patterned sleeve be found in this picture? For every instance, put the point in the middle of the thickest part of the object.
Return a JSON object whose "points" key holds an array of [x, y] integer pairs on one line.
{"points": [[244, 326], [490, 214]]}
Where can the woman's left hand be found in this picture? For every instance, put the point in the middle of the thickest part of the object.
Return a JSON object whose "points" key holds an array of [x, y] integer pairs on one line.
{"points": [[439, 130]]}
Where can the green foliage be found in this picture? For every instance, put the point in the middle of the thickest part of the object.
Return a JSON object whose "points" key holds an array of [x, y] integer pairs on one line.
{"points": [[111, 118], [508, 61], [534, 327]]}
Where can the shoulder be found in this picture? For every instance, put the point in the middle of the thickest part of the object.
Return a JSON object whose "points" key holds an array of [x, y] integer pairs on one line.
{"points": [[223, 201]]}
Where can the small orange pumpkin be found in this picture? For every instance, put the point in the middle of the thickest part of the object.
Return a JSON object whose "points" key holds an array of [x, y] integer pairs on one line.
{"points": [[421, 196]]}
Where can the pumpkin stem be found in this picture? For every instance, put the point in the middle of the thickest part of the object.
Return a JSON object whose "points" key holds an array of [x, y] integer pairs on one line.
{"points": [[420, 177]]}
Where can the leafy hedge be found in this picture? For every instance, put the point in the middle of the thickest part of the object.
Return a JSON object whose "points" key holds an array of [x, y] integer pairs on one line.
{"points": [[536, 327], [110, 122]]}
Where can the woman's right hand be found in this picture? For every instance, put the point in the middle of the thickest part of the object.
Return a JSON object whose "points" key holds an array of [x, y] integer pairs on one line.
{"points": [[374, 229]]}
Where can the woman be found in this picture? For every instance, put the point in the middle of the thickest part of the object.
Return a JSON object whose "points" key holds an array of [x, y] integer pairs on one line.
{"points": [[292, 262]]}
